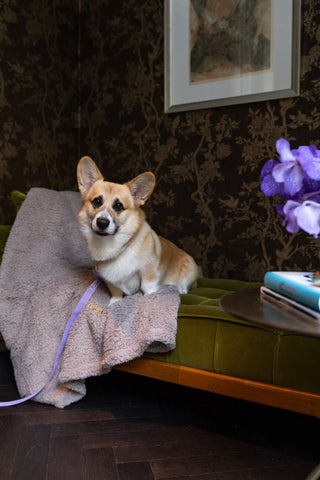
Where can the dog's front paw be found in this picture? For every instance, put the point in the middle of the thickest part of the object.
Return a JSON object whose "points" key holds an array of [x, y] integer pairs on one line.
{"points": [[114, 300], [115, 292], [150, 288]]}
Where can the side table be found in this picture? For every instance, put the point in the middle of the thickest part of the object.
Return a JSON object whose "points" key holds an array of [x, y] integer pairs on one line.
{"points": [[250, 306]]}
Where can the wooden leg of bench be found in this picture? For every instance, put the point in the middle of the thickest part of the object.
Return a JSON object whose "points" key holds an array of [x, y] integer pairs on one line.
{"points": [[271, 395]]}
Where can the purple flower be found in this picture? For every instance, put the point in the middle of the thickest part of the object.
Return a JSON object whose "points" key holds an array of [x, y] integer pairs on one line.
{"points": [[289, 212], [308, 217], [296, 178], [268, 184], [304, 215], [289, 171]]}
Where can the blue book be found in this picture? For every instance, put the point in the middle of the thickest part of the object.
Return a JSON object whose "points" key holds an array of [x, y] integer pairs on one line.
{"points": [[295, 285]]}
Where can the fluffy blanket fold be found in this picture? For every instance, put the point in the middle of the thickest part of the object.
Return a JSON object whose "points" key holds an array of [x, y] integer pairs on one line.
{"points": [[45, 269]]}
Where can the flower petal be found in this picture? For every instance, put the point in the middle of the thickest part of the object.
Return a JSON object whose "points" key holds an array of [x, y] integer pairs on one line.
{"points": [[310, 185], [291, 174], [308, 217], [309, 158], [279, 208], [268, 167], [290, 221], [280, 171], [283, 148], [270, 187]]}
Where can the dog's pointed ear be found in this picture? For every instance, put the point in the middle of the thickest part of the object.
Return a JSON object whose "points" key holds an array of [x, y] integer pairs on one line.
{"points": [[87, 174], [141, 187]]}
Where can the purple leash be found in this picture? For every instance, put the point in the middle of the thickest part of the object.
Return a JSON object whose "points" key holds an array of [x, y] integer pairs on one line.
{"points": [[74, 315]]}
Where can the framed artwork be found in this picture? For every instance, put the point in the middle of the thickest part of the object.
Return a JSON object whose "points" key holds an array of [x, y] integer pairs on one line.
{"points": [[225, 52]]}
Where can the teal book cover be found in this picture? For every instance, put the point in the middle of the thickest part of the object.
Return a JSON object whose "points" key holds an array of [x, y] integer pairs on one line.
{"points": [[296, 285]]}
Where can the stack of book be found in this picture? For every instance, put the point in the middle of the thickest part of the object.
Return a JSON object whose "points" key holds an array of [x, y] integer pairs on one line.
{"points": [[296, 290]]}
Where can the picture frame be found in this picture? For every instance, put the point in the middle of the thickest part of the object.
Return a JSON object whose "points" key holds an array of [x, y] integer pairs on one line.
{"points": [[223, 56]]}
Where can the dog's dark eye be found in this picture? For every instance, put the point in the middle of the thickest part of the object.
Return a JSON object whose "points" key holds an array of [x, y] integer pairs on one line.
{"points": [[117, 206], [97, 202]]}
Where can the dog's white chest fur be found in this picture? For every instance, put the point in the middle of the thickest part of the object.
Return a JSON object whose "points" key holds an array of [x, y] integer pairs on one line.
{"points": [[124, 264], [121, 274]]}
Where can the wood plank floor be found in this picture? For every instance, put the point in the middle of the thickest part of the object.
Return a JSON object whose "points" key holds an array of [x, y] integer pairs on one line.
{"points": [[133, 428]]}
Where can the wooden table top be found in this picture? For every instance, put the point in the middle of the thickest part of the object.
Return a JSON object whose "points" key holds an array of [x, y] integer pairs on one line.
{"points": [[250, 306]]}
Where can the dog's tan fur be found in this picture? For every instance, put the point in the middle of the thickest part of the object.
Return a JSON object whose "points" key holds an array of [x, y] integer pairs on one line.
{"points": [[128, 254]]}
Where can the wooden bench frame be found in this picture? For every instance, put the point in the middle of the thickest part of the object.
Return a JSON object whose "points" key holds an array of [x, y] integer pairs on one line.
{"points": [[286, 398]]}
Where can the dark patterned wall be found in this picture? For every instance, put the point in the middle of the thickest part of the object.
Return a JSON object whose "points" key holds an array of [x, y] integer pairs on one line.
{"points": [[207, 162], [38, 95]]}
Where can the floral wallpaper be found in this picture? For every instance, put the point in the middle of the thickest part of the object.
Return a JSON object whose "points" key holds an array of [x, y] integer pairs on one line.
{"points": [[85, 77], [38, 96]]}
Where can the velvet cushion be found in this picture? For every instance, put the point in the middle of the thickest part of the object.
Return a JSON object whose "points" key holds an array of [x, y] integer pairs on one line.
{"points": [[210, 339], [4, 233]]}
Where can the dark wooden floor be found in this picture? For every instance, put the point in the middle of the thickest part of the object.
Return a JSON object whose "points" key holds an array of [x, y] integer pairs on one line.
{"points": [[131, 428]]}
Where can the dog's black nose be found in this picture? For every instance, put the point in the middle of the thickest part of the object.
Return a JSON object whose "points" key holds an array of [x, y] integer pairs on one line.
{"points": [[102, 223]]}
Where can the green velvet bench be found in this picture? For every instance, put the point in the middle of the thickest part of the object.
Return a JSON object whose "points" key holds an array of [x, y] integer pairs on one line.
{"points": [[226, 355]]}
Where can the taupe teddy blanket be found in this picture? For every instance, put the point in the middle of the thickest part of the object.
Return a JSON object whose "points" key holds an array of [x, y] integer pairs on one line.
{"points": [[45, 269]]}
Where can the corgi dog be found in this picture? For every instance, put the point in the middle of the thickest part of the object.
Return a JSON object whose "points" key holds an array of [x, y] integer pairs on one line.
{"points": [[128, 255]]}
